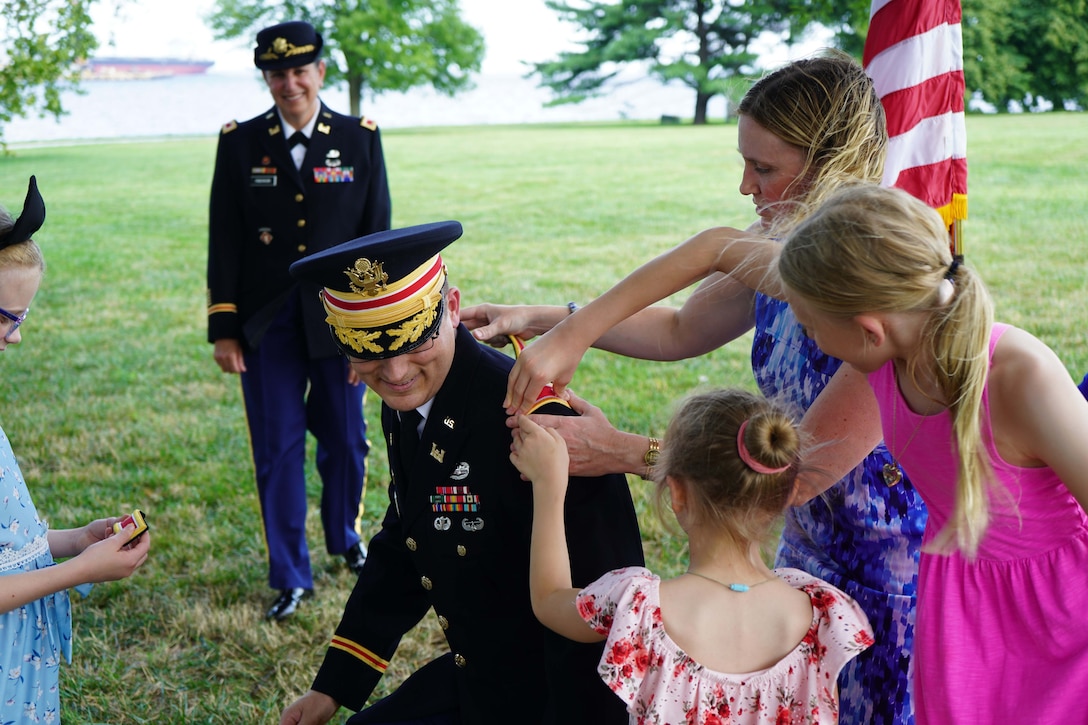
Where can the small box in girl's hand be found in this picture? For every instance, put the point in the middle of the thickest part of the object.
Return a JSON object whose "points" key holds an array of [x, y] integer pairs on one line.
{"points": [[137, 518]]}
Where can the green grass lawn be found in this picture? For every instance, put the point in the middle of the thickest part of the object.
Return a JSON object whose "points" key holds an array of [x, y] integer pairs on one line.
{"points": [[113, 400]]}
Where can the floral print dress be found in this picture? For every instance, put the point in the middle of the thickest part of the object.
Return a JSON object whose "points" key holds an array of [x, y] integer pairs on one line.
{"points": [[35, 636], [661, 684]]}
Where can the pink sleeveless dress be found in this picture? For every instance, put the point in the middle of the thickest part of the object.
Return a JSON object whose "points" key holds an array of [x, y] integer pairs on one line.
{"points": [[1002, 638]]}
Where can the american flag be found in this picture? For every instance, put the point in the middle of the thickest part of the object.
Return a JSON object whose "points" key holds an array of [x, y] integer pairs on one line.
{"points": [[914, 54]]}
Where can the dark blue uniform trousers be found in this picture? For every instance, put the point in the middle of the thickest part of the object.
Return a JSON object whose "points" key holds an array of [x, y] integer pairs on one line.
{"points": [[286, 393]]}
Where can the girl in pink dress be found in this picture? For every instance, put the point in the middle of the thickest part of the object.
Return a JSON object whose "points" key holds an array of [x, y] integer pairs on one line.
{"points": [[728, 641], [992, 430]]}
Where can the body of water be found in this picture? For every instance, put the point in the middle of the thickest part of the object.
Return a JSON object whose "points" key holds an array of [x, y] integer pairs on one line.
{"points": [[201, 104]]}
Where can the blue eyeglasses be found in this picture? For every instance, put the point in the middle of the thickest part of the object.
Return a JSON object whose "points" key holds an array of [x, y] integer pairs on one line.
{"points": [[16, 320]]}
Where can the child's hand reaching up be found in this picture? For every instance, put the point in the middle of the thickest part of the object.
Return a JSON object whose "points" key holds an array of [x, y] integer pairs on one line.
{"points": [[541, 456]]}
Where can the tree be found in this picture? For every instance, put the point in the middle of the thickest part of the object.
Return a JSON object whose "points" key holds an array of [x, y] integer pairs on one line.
{"points": [[374, 46], [847, 19], [703, 44], [991, 66], [44, 40], [1050, 41], [1014, 51]]}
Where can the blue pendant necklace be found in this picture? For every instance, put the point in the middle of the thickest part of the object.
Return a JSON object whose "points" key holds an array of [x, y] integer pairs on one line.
{"points": [[735, 587]]}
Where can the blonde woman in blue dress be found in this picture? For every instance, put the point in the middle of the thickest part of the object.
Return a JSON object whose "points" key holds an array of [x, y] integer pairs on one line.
{"points": [[35, 614]]}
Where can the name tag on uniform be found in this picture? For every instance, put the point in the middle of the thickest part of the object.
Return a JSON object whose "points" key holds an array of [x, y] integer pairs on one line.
{"points": [[334, 174], [262, 176]]}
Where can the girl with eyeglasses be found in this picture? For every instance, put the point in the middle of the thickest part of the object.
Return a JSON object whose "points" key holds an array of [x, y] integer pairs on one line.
{"points": [[35, 613]]}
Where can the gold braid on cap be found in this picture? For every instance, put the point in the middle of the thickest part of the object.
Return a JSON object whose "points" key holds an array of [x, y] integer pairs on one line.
{"points": [[282, 48], [413, 328], [359, 340], [357, 317]]}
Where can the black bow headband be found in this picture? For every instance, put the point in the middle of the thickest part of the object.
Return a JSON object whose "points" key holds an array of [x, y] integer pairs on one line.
{"points": [[29, 221]]}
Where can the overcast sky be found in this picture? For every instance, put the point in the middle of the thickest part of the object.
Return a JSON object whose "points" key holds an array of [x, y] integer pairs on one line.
{"points": [[514, 30]]}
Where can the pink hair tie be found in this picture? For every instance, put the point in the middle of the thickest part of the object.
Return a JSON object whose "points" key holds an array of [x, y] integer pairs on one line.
{"points": [[747, 457]]}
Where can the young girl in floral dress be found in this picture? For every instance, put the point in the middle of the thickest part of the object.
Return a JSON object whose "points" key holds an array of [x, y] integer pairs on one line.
{"points": [[728, 640], [35, 614]]}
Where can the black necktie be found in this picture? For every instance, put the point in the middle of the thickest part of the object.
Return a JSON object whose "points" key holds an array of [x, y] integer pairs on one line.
{"points": [[409, 435], [298, 137]]}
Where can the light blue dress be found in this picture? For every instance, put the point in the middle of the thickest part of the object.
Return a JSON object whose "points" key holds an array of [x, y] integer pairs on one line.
{"points": [[863, 536], [35, 636]]}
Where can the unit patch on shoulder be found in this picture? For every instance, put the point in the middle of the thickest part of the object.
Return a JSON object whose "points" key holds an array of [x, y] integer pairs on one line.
{"points": [[229, 126], [368, 123]]}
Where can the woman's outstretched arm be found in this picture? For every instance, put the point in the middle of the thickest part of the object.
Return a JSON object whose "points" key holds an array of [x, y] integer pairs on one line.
{"points": [[555, 355]]}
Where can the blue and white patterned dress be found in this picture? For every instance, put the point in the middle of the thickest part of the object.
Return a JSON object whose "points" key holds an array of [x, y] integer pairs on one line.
{"points": [[35, 636], [862, 535]]}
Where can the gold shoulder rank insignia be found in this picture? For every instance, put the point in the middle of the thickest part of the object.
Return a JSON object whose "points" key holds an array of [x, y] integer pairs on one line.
{"points": [[368, 123], [229, 126]]}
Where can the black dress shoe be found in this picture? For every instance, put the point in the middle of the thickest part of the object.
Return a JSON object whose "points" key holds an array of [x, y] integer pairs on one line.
{"points": [[356, 557], [286, 603]]}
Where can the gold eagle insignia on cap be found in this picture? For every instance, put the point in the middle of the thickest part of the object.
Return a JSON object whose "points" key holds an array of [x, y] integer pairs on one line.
{"points": [[366, 278], [283, 48]]}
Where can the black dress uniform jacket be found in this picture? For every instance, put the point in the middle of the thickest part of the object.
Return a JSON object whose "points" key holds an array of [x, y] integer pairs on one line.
{"points": [[266, 214], [472, 567]]}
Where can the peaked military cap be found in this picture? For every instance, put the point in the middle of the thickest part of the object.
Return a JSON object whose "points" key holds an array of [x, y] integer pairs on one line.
{"points": [[287, 45], [383, 292]]}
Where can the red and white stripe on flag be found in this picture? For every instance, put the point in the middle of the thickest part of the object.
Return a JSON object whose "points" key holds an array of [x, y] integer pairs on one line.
{"points": [[914, 54]]}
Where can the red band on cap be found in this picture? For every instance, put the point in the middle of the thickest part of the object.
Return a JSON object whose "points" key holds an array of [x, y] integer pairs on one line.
{"points": [[390, 299]]}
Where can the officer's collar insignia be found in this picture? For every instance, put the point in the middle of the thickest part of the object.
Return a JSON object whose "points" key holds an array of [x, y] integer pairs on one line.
{"points": [[437, 453], [324, 128], [274, 130]]}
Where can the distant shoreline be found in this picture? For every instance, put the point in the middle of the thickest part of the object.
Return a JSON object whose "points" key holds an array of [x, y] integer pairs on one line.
{"points": [[199, 105]]}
